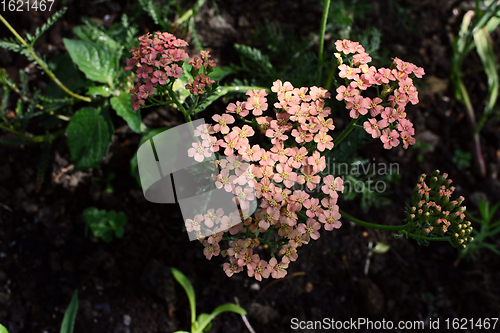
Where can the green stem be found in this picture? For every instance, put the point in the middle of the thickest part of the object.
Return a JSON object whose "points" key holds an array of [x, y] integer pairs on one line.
{"points": [[326, 9], [42, 64], [432, 239], [345, 132], [374, 225], [186, 114]]}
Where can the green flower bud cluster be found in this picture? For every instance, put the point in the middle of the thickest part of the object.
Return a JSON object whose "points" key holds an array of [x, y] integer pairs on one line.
{"points": [[434, 214]]}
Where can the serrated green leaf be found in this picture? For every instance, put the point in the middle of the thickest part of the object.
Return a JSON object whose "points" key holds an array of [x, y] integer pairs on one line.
{"points": [[11, 45], [484, 47], [70, 315], [97, 62], [89, 136], [92, 33], [255, 55], [122, 106], [46, 26], [99, 91]]}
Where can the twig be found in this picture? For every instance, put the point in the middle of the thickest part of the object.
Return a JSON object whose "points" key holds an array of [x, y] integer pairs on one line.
{"points": [[4, 206], [63, 171], [245, 320]]}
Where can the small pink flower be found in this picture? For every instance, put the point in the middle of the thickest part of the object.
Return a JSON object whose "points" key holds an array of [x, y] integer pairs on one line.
{"points": [[313, 208], [330, 219], [324, 141], [210, 250], [350, 73], [278, 271], [385, 75], [159, 76], [358, 105], [238, 108], [280, 88], [346, 46], [389, 138], [174, 71], [310, 229], [199, 152], [222, 122], [256, 104], [232, 267], [373, 127], [258, 270], [332, 185], [317, 161], [144, 71], [407, 139]]}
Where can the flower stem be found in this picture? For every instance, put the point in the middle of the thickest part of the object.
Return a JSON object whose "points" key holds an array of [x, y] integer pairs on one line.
{"points": [[374, 225], [326, 10], [186, 114], [42, 64], [433, 239], [346, 131]]}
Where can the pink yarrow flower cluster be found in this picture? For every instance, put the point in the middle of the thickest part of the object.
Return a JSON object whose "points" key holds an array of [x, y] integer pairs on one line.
{"points": [[386, 121], [158, 60], [295, 200]]}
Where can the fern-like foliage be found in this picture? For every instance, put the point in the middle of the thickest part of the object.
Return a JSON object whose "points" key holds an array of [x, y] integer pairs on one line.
{"points": [[14, 45], [152, 9], [46, 26]]}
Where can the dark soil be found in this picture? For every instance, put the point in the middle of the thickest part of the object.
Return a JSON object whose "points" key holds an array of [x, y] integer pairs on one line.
{"points": [[126, 286]]}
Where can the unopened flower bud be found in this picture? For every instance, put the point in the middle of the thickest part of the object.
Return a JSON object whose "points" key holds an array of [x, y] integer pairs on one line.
{"points": [[339, 58], [434, 181]]}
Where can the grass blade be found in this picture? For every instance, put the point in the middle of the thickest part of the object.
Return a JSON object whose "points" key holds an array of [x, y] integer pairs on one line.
{"points": [[70, 315]]}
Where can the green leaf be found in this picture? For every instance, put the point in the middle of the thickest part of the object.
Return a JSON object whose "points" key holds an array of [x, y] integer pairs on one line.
{"points": [[70, 315], [255, 55], [97, 62], [202, 318], [229, 307], [122, 106], [92, 33], [99, 90], [484, 46], [188, 287], [46, 26], [89, 136], [180, 84], [220, 72], [381, 248], [67, 72], [3, 329]]}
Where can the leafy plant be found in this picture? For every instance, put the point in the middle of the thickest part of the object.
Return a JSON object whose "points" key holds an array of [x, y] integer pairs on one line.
{"points": [[486, 230], [475, 30], [161, 12], [104, 224], [462, 159], [203, 322]]}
